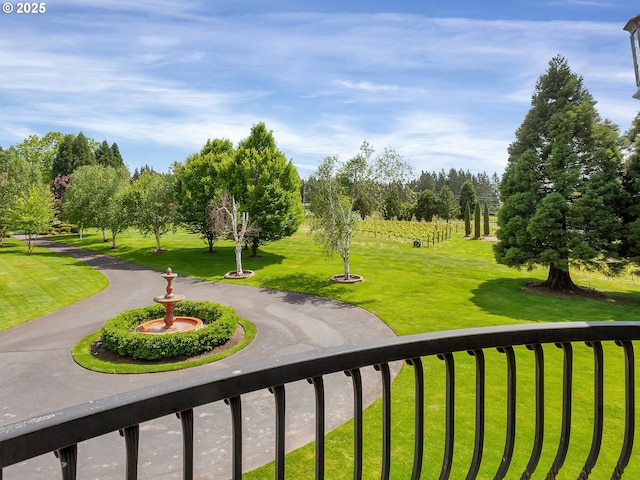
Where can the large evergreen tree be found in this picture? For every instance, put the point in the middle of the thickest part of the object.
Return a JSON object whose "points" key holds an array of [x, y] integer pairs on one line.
{"points": [[104, 155], [446, 204], [427, 206], [73, 151], [467, 196], [630, 205], [561, 184]]}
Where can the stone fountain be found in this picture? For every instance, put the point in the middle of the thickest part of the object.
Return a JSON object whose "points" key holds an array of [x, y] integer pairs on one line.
{"points": [[170, 323]]}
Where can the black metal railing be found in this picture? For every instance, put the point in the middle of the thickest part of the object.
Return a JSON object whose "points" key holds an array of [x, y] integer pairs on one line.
{"points": [[61, 432]]}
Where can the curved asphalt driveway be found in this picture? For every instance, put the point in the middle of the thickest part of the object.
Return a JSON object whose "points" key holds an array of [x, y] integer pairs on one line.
{"points": [[38, 375]]}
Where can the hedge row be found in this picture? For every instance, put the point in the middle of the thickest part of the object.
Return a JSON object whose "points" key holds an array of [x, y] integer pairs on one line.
{"points": [[219, 321]]}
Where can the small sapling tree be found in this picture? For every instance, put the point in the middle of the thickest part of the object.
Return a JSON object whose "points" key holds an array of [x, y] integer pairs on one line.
{"points": [[338, 188], [227, 217]]}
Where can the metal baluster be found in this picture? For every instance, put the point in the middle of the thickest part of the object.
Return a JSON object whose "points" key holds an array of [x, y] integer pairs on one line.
{"points": [[598, 409], [630, 413], [236, 436], [318, 386], [539, 438], [131, 440], [478, 446], [186, 419], [386, 419], [356, 380], [278, 393], [565, 434], [68, 457], [450, 416], [419, 417], [511, 412]]}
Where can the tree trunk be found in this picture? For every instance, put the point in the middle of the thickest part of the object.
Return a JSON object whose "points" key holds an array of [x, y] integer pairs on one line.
{"points": [[157, 241], [80, 233], [347, 272], [31, 242], [560, 280], [255, 242], [239, 258], [113, 240]]}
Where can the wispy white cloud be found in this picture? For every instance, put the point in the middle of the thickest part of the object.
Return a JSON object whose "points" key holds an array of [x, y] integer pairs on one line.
{"points": [[446, 92]]}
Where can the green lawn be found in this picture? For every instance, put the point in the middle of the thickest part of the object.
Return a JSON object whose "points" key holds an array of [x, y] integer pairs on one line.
{"points": [[455, 284], [32, 285]]}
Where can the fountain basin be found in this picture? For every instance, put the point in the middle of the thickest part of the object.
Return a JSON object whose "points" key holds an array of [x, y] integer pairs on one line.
{"points": [[158, 326]]}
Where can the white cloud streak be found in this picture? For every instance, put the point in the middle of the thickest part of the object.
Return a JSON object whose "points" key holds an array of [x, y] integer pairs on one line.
{"points": [[444, 92]]}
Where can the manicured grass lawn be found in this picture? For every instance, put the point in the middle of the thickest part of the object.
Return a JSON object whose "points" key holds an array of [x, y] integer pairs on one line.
{"points": [[39, 283], [455, 284]]}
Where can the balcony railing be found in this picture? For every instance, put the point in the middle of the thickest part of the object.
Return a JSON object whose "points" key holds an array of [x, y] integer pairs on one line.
{"points": [[61, 432]]}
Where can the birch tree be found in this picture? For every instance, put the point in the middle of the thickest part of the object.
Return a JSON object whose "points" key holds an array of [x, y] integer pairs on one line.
{"points": [[338, 187]]}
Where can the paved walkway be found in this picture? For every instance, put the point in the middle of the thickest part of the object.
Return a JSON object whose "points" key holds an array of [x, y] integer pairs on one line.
{"points": [[38, 374]]}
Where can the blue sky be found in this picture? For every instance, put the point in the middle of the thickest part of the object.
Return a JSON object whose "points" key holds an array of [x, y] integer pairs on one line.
{"points": [[445, 83]]}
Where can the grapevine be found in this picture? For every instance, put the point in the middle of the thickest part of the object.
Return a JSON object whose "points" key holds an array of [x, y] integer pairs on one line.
{"points": [[427, 233]]}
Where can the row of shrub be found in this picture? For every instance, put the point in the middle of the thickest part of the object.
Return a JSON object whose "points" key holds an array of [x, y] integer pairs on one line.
{"points": [[119, 336], [59, 228]]}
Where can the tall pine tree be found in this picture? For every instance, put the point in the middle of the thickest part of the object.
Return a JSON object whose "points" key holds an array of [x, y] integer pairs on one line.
{"points": [[561, 185]]}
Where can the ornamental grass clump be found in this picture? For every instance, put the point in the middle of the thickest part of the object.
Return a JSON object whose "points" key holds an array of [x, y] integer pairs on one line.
{"points": [[119, 336]]}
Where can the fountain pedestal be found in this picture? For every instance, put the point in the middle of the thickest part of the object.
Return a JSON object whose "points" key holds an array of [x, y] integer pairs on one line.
{"points": [[170, 323]]}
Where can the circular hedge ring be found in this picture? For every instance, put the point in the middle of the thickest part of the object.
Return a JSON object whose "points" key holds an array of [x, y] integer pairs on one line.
{"points": [[219, 321]]}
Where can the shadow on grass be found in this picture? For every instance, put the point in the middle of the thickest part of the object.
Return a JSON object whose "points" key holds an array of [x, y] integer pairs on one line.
{"points": [[506, 297], [186, 261], [318, 288]]}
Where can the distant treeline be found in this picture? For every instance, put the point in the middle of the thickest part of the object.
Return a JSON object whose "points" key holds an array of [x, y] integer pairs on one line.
{"points": [[486, 186]]}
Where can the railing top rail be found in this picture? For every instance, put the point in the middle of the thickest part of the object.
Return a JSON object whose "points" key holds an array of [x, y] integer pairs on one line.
{"points": [[56, 430]]}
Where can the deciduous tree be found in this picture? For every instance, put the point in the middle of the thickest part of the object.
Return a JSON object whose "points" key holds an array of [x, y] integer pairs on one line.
{"points": [[32, 212], [151, 200], [16, 175], [39, 152], [337, 188], [237, 223], [86, 196], [268, 187], [198, 181]]}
